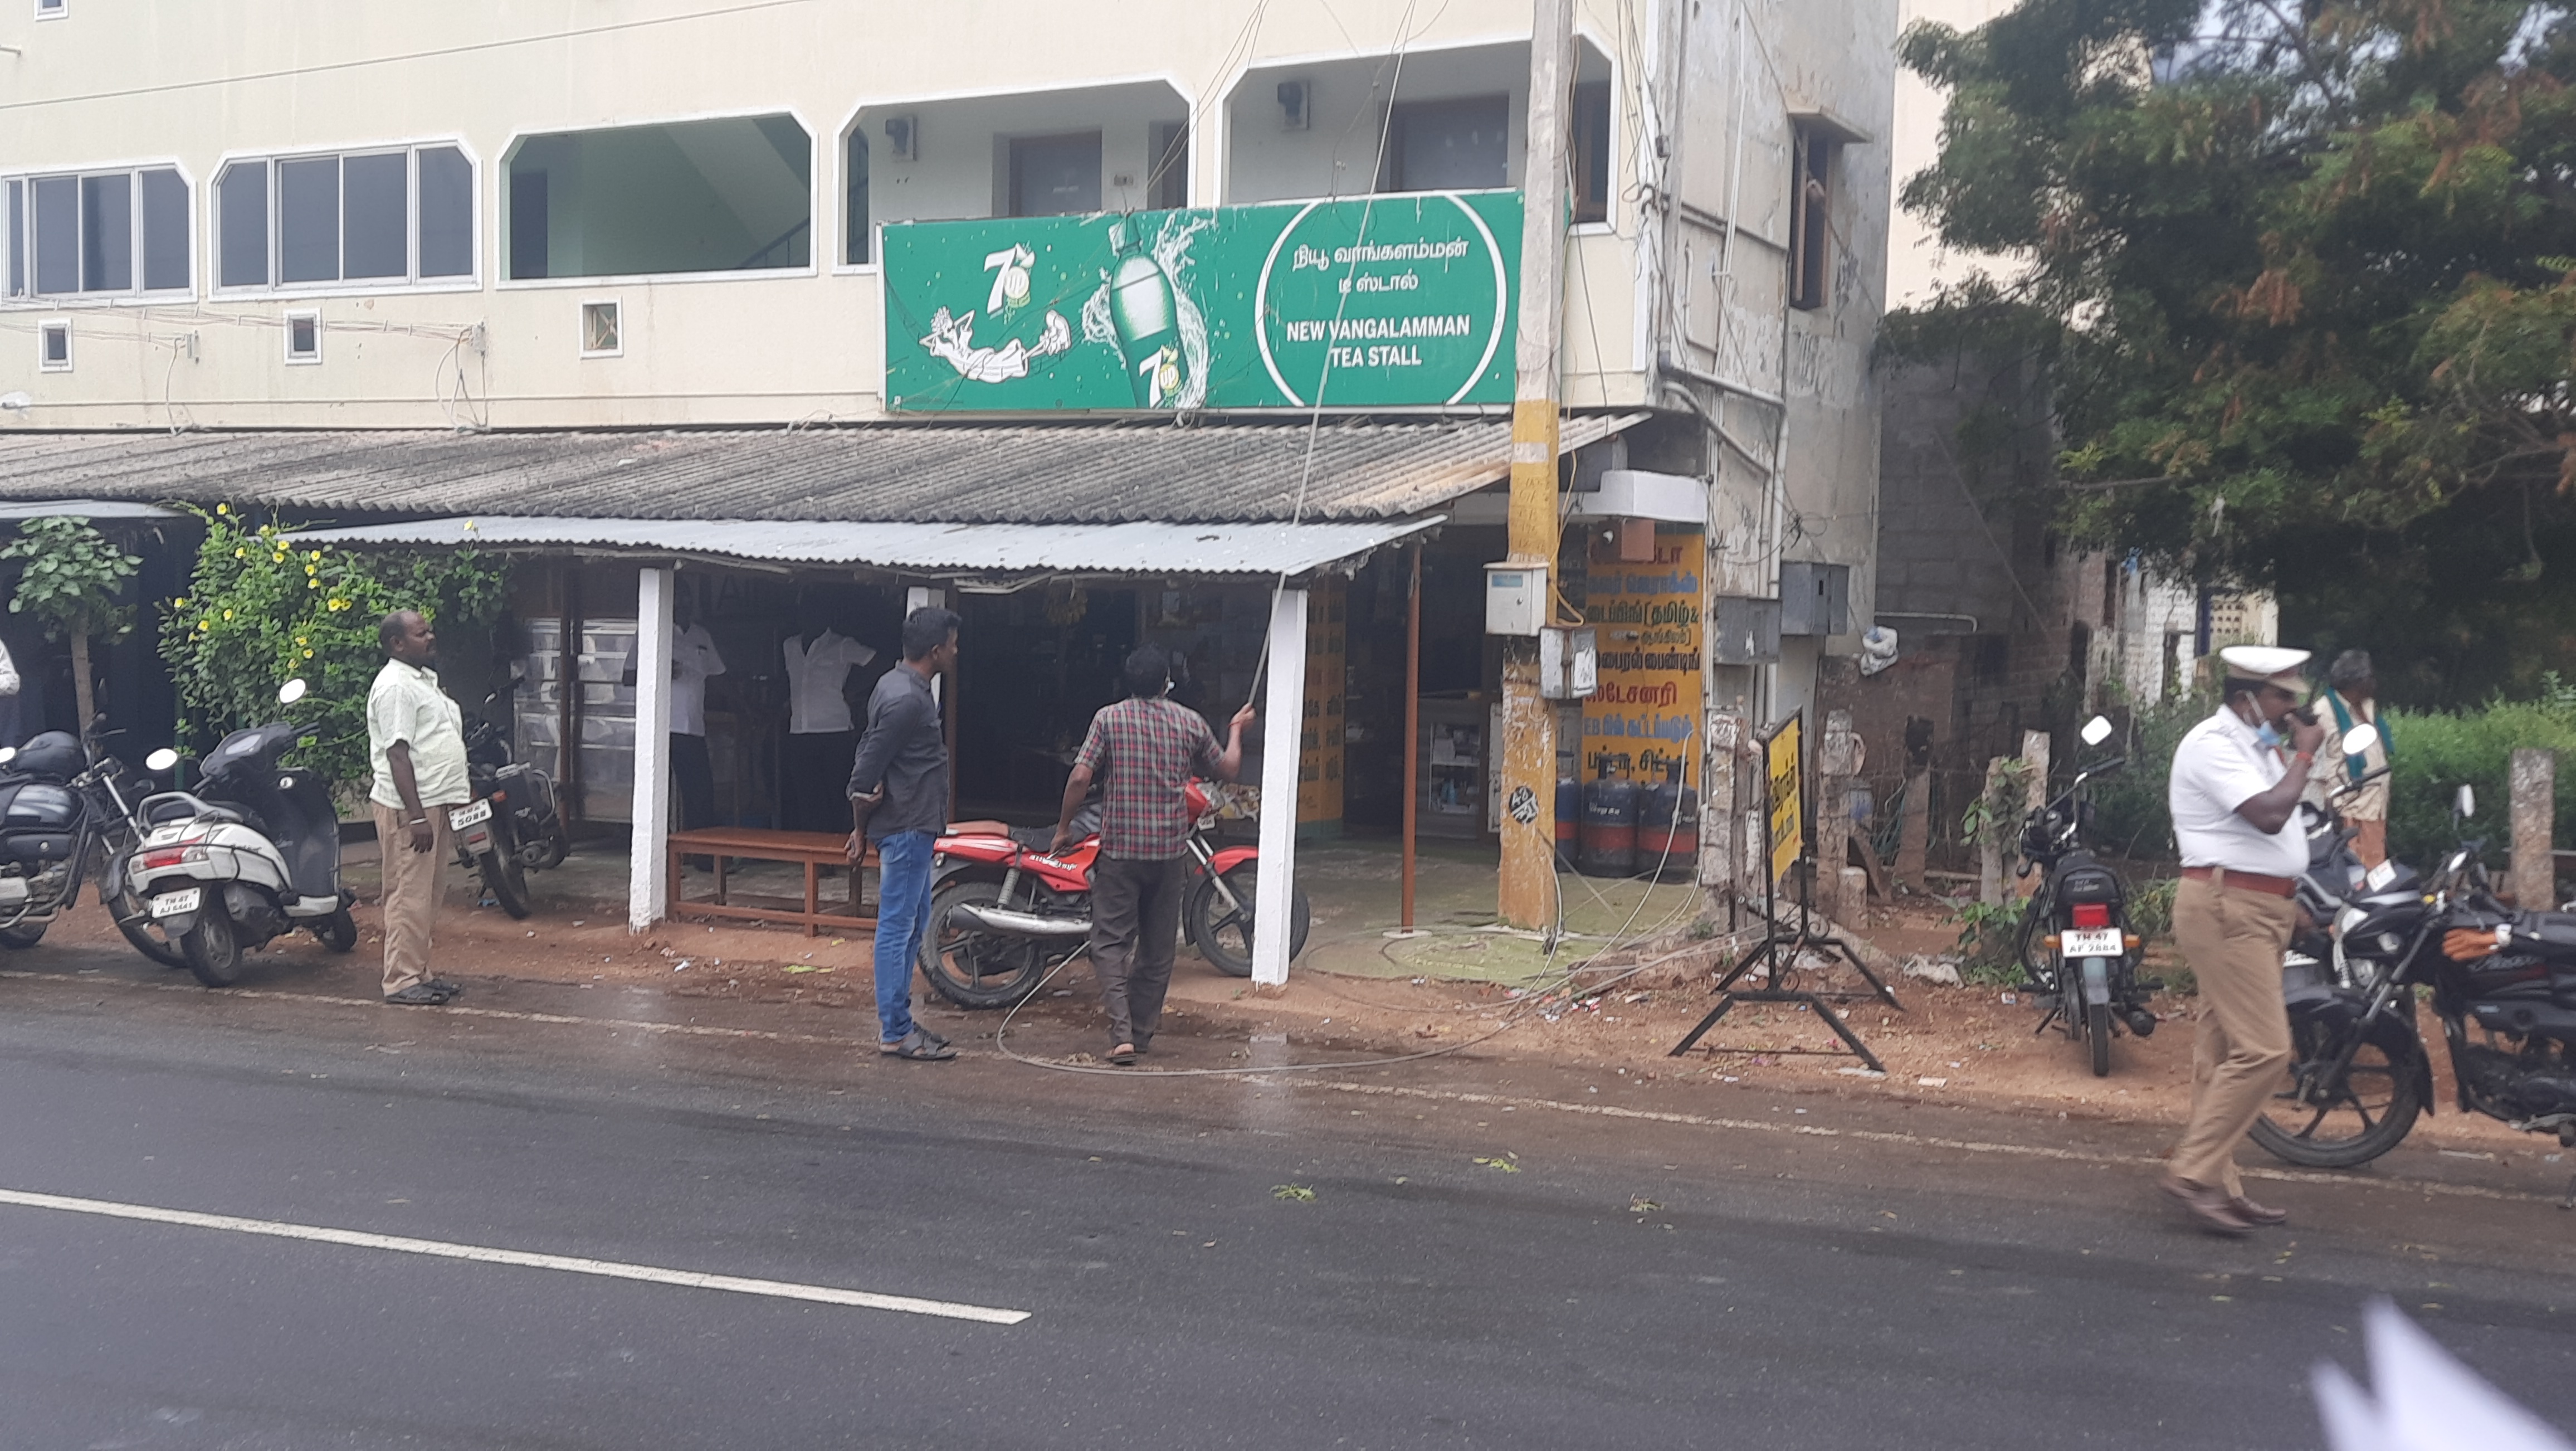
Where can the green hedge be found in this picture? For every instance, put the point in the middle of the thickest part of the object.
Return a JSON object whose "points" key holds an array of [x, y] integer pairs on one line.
{"points": [[2434, 754]]}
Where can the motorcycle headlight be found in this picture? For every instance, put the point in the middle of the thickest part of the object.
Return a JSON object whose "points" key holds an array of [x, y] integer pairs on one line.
{"points": [[2348, 919]]}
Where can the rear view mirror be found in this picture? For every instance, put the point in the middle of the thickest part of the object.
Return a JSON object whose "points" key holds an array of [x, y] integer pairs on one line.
{"points": [[2465, 804], [291, 692], [2096, 731], [8, 754], [2360, 739], [161, 760]]}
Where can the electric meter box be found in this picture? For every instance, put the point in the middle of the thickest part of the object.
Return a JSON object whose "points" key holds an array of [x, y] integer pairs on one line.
{"points": [[1515, 599], [1569, 663]]}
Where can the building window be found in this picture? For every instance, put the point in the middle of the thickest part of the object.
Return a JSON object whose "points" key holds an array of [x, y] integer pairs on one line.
{"points": [[368, 217], [1461, 145], [1054, 176], [304, 337], [1590, 151], [105, 234], [600, 330], [52, 9], [732, 195], [856, 243], [54, 347], [1167, 186], [1811, 226]]}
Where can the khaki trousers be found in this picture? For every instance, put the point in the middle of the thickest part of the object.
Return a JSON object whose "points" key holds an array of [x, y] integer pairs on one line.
{"points": [[2370, 841], [411, 893], [2232, 939]]}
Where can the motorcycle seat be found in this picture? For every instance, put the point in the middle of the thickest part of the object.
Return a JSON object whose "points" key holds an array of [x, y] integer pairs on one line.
{"points": [[170, 806]]}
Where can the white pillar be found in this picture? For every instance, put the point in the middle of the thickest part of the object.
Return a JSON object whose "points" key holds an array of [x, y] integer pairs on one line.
{"points": [[647, 875], [1283, 733]]}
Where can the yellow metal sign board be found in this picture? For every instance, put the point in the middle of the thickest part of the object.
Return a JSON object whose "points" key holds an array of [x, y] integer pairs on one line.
{"points": [[1783, 754]]}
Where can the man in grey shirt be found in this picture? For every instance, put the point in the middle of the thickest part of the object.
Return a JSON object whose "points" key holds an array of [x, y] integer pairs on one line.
{"points": [[899, 802]]}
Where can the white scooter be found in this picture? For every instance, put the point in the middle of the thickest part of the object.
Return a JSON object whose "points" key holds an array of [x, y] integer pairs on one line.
{"points": [[251, 854]]}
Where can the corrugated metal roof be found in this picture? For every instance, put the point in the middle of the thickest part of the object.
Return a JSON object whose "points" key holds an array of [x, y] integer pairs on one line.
{"points": [[1170, 472], [85, 509], [973, 549]]}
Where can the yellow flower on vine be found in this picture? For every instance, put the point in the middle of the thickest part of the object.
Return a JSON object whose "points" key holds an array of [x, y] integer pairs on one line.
{"points": [[241, 554], [220, 509], [313, 584], [317, 554], [228, 614], [308, 654]]}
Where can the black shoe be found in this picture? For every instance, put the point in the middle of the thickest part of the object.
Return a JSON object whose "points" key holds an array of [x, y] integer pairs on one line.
{"points": [[450, 989], [418, 995]]}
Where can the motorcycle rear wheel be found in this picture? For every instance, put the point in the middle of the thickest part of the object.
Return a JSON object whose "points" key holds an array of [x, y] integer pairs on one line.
{"points": [[974, 968], [1223, 935], [134, 919], [2365, 1116], [2097, 1028], [509, 883], [213, 946]]}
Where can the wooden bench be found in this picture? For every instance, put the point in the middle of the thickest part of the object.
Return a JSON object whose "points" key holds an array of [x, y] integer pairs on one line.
{"points": [[814, 850]]}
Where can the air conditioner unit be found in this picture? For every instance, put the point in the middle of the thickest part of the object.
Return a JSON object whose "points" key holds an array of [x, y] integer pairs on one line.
{"points": [[903, 138], [1296, 106]]}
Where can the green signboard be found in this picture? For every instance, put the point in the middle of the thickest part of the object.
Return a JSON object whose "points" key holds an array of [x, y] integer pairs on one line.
{"points": [[1381, 301]]}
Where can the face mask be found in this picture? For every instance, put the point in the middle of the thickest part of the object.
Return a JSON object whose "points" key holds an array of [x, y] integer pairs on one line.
{"points": [[2268, 736]]}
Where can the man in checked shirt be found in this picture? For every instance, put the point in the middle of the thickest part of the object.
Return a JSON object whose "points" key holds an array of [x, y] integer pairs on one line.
{"points": [[1145, 749]]}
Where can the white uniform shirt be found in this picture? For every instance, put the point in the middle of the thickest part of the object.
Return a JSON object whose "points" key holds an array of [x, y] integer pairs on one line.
{"points": [[2220, 766], [406, 705], [8, 673], [815, 705], [693, 659]]}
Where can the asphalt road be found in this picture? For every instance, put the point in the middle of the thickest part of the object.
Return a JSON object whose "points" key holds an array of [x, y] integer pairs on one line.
{"points": [[1719, 1277]]}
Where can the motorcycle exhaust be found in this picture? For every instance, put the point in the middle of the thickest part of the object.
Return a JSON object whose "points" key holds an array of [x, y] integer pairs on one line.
{"points": [[2141, 1022], [1017, 924]]}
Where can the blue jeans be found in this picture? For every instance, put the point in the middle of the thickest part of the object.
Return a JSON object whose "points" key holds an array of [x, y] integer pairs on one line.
{"points": [[903, 916]]}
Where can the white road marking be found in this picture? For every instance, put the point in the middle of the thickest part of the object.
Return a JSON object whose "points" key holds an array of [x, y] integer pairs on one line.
{"points": [[1919, 1141], [480, 1254]]}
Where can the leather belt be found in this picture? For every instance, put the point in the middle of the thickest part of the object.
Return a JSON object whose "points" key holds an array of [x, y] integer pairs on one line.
{"points": [[2244, 881]]}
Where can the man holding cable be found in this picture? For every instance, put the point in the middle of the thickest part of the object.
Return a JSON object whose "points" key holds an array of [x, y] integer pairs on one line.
{"points": [[2235, 792]]}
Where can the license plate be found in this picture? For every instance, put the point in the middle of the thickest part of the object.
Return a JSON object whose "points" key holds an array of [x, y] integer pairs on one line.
{"points": [[465, 816], [171, 904], [2089, 942]]}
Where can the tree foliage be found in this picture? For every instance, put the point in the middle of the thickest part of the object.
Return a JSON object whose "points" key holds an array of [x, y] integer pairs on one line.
{"points": [[73, 580], [263, 607], [2304, 274]]}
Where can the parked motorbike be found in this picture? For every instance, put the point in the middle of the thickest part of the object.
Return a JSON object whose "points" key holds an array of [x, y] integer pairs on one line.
{"points": [[1004, 912], [512, 826], [2076, 944], [251, 854], [64, 817], [2335, 876], [2502, 984]]}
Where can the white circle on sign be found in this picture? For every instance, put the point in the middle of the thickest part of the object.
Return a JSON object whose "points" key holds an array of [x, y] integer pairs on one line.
{"points": [[1261, 300]]}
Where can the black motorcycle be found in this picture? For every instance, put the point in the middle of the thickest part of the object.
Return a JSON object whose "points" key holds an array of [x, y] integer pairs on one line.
{"points": [[66, 818], [513, 825], [2075, 945], [2501, 982]]}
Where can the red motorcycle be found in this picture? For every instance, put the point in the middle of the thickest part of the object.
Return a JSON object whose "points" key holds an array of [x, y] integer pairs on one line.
{"points": [[1004, 912]]}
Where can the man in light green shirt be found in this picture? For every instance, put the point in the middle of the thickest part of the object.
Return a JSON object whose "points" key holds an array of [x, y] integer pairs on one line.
{"points": [[416, 741]]}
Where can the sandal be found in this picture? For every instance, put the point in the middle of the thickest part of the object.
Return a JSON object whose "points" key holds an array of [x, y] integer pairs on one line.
{"points": [[1123, 1055], [920, 1046]]}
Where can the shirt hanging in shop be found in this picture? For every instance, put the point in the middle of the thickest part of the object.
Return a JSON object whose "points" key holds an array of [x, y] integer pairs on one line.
{"points": [[693, 659], [815, 674]]}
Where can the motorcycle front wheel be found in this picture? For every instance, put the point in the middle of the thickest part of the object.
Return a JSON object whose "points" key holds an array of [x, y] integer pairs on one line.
{"points": [[974, 968], [1222, 934], [2340, 1125], [2097, 1030], [213, 947], [508, 881]]}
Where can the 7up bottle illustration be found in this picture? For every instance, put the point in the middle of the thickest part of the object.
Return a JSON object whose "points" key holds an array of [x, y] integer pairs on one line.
{"points": [[1146, 317]]}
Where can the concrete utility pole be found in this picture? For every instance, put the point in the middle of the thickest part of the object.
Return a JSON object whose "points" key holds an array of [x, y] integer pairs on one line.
{"points": [[1529, 726]]}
